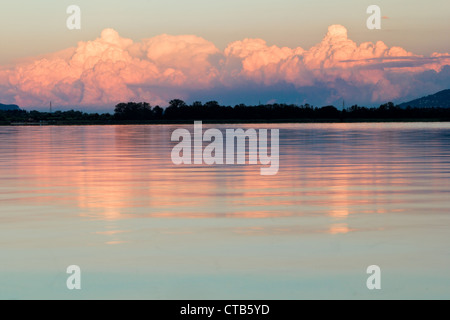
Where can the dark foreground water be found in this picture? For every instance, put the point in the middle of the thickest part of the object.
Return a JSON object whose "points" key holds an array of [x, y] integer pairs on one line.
{"points": [[109, 199]]}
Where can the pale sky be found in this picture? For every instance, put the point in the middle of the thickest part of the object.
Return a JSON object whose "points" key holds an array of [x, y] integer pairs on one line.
{"points": [[29, 27]]}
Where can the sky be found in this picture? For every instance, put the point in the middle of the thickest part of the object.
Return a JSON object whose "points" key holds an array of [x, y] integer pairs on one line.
{"points": [[250, 51]]}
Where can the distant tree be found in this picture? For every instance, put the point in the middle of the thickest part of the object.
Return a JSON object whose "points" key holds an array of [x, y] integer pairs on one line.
{"points": [[212, 104], [133, 111], [328, 112], [354, 108], [176, 103], [387, 106], [158, 112]]}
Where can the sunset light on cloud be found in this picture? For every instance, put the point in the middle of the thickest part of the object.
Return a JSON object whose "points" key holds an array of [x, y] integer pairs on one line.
{"points": [[98, 74]]}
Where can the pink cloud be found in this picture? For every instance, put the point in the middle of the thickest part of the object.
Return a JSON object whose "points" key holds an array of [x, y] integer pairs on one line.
{"points": [[111, 69]]}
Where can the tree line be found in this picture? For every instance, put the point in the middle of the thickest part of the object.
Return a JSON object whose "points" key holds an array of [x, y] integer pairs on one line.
{"points": [[178, 110], [212, 110]]}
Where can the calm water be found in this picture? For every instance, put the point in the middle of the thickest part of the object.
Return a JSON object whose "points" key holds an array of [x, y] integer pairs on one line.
{"points": [[109, 199]]}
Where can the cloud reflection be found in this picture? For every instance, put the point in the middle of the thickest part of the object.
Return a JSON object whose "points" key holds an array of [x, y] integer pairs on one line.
{"points": [[116, 173]]}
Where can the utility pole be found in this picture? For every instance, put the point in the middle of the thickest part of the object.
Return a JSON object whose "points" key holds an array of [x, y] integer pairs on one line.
{"points": [[50, 107]]}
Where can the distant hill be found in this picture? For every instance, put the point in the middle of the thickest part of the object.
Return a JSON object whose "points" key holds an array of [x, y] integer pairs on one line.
{"points": [[437, 100], [6, 107]]}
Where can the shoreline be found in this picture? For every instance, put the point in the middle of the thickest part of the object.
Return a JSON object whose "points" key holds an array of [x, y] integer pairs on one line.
{"points": [[210, 121]]}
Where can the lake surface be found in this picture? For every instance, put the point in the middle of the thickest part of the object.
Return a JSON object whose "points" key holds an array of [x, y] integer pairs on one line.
{"points": [[110, 200]]}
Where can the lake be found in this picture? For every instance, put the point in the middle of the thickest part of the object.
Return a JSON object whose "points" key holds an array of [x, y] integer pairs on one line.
{"points": [[109, 200]]}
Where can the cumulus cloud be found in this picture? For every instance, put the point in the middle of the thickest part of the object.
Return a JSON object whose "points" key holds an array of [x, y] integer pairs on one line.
{"points": [[111, 69]]}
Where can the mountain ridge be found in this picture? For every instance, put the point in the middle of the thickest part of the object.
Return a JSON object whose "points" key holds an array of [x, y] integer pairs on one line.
{"points": [[7, 107], [440, 99]]}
